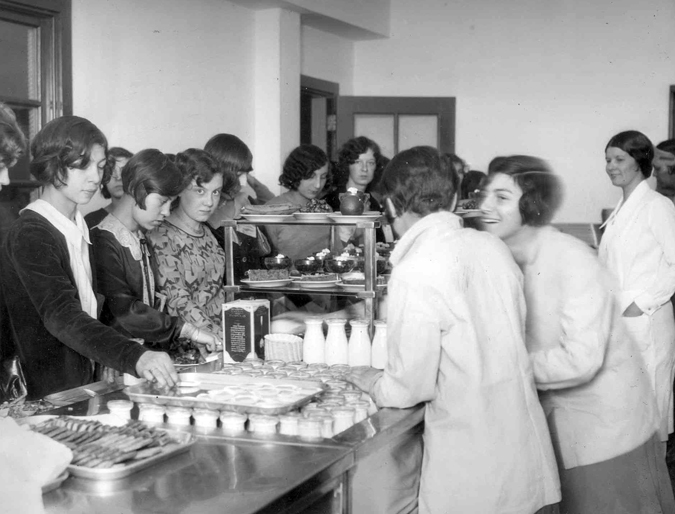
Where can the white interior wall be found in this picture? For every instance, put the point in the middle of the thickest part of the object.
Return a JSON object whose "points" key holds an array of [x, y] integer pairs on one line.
{"points": [[166, 74], [329, 57], [552, 79]]}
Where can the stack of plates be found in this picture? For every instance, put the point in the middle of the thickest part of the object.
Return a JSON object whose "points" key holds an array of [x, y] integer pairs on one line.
{"points": [[284, 347]]}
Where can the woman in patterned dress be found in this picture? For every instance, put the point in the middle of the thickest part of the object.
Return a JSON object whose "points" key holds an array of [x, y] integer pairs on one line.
{"points": [[191, 263]]}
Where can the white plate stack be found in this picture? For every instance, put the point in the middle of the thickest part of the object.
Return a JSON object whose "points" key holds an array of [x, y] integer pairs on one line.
{"points": [[284, 347]]}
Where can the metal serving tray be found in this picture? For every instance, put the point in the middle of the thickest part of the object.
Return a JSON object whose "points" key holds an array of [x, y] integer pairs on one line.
{"points": [[183, 441], [203, 382]]}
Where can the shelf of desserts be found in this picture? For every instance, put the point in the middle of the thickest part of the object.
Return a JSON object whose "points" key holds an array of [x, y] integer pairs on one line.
{"points": [[321, 272], [316, 212]]}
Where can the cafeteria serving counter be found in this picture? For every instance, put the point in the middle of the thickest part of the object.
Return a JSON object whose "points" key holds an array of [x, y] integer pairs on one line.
{"points": [[371, 467]]}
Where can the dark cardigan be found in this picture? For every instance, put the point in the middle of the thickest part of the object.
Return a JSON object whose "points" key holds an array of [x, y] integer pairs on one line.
{"points": [[54, 338], [120, 280]]}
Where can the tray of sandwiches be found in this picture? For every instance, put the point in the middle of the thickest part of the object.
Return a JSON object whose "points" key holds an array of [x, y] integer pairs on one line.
{"points": [[103, 451]]}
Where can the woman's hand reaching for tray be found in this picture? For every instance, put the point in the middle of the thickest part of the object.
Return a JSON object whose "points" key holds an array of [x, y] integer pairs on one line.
{"points": [[157, 367]]}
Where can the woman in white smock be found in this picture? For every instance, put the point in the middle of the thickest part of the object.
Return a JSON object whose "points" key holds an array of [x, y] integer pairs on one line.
{"points": [[598, 402], [638, 247], [455, 322]]}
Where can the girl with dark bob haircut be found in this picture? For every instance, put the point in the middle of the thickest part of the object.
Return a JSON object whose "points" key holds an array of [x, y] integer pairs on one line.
{"points": [[638, 146], [349, 154], [420, 180], [542, 189], [46, 266], [150, 171], [594, 387], [65, 145], [115, 154], [301, 164], [232, 153]]}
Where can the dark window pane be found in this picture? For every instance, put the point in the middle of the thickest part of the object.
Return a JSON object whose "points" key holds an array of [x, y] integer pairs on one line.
{"points": [[20, 65]]}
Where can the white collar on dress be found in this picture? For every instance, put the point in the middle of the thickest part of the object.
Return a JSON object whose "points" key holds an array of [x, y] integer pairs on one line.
{"points": [[124, 236]]}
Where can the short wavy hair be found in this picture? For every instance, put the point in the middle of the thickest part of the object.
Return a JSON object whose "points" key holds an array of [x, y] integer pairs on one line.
{"points": [[150, 171], [301, 164], [114, 154], [667, 146], [638, 146], [12, 140], [64, 143], [349, 153], [420, 180], [542, 189]]}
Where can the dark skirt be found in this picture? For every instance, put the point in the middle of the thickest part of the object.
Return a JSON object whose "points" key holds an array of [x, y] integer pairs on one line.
{"points": [[636, 482]]}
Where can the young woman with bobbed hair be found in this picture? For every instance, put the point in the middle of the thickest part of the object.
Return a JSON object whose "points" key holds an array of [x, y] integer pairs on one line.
{"points": [[305, 173], [111, 186], [638, 248], [599, 404], [359, 167], [125, 263], [249, 244], [236, 157], [191, 264], [46, 267]]}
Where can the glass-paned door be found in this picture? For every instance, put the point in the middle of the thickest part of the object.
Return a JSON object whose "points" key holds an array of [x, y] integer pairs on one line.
{"points": [[398, 123]]}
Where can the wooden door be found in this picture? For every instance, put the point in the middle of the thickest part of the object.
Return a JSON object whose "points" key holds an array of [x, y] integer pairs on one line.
{"points": [[398, 123]]}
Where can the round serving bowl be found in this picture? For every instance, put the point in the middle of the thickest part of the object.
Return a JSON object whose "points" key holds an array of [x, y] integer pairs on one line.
{"points": [[307, 265], [272, 263], [339, 265]]}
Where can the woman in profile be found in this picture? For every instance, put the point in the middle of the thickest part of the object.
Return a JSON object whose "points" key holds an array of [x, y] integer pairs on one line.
{"points": [[599, 404], [46, 266]]}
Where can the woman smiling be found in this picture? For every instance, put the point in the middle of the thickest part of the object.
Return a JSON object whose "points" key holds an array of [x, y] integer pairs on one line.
{"points": [[639, 249], [599, 404]]}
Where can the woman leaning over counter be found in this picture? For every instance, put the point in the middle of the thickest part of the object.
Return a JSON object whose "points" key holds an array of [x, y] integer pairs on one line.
{"points": [[638, 248], [455, 318], [191, 264], [47, 271], [125, 262], [600, 407]]}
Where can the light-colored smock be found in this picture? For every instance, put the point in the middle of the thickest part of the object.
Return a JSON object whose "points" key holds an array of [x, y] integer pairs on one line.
{"points": [[638, 247], [598, 402], [456, 341]]}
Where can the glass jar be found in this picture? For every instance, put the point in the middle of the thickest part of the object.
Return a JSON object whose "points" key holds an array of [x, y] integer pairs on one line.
{"points": [[309, 428], [337, 346], [360, 410], [343, 419], [232, 422], [359, 343], [178, 415], [120, 408], [351, 396], [205, 418], [263, 424], [314, 343], [150, 412], [288, 423], [310, 407], [326, 423], [379, 349]]}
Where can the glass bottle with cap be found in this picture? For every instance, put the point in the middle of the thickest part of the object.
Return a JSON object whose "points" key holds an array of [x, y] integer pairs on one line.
{"points": [[337, 346], [379, 347], [359, 343], [314, 343]]}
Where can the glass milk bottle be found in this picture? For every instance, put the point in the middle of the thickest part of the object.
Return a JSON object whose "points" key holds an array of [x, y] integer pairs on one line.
{"points": [[313, 346], [379, 348], [337, 347], [359, 343]]}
